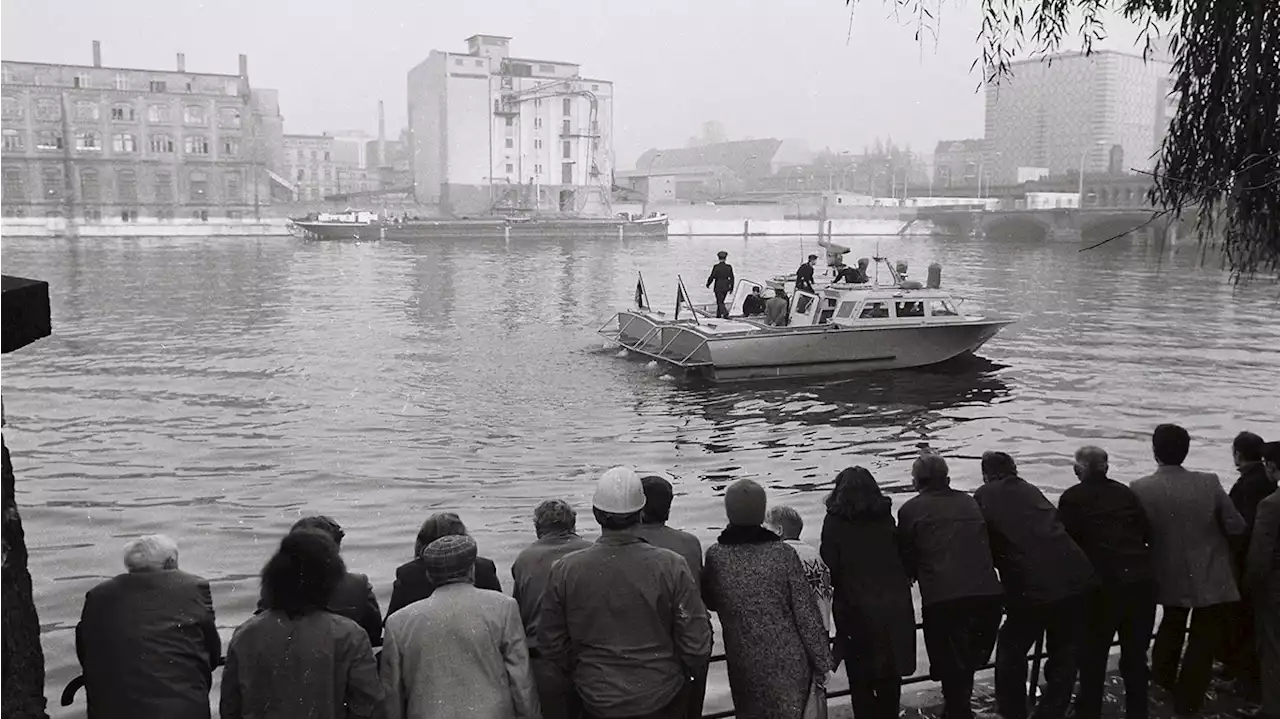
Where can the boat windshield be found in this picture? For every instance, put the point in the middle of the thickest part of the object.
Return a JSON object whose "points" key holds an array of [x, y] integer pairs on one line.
{"points": [[942, 308]]}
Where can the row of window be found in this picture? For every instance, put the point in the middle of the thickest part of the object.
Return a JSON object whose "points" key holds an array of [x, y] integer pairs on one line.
{"points": [[124, 143], [48, 108], [315, 155], [566, 171], [124, 82], [53, 185]]}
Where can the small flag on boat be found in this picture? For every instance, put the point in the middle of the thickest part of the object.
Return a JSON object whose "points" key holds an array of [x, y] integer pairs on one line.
{"points": [[640, 294], [679, 299]]}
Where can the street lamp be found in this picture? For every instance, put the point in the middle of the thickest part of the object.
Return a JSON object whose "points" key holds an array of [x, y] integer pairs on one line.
{"points": [[1083, 156]]}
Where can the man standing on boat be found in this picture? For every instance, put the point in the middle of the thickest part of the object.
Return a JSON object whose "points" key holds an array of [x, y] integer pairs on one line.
{"points": [[804, 275], [722, 277]]}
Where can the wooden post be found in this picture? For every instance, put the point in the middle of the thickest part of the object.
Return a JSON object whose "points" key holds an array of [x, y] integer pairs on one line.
{"points": [[746, 228]]}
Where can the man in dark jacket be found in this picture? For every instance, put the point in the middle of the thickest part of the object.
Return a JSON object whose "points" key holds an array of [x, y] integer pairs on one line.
{"points": [[1262, 578], [804, 275], [943, 541], [722, 278], [1046, 579], [754, 304], [1239, 650], [1106, 519], [555, 523], [412, 583], [146, 640], [354, 597]]}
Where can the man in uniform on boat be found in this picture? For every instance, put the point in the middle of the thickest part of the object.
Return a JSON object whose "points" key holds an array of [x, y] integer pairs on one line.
{"points": [[722, 277], [776, 308], [754, 304], [804, 275]]}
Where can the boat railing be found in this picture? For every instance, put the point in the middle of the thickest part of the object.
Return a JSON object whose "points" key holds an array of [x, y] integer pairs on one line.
{"points": [[642, 343], [1035, 658]]}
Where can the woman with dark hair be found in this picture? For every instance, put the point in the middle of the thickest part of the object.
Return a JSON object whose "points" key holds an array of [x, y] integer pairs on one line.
{"points": [[872, 607], [774, 641], [411, 577], [297, 659]]}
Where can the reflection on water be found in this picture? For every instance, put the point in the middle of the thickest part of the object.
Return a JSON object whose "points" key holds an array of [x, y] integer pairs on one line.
{"points": [[216, 390]]}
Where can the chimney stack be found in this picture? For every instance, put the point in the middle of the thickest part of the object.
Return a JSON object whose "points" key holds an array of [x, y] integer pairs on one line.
{"points": [[382, 136], [182, 62], [244, 65], [97, 54]]}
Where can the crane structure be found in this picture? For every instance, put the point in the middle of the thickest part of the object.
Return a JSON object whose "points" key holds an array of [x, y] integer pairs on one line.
{"points": [[508, 106]]}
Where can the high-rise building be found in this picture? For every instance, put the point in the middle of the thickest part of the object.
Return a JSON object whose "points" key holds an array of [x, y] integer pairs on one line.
{"points": [[491, 132], [94, 143], [1107, 112]]}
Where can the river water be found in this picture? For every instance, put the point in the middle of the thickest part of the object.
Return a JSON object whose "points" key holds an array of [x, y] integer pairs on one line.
{"points": [[216, 390]]}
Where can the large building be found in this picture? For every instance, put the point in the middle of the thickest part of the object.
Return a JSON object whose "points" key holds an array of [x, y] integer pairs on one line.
{"points": [[717, 169], [956, 163], [95, 143], [491, 132], [310, 165], [1109, 110]]}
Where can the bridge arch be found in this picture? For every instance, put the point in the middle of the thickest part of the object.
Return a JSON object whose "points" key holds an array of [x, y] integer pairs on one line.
{"points": [[1020, 225], [1095, 228]]}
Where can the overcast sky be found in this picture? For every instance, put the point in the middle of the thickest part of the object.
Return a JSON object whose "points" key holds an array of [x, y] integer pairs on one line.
{"points": [[810, 69]]}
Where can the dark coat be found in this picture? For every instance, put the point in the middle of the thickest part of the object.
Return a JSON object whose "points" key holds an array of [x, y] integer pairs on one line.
{"points": [[147, 643], [1250, 489], [1106, 520], [1038, 561], [872, 607], [412, 583], [354, 599], [943, 542], [804, 277], [722, 277]]}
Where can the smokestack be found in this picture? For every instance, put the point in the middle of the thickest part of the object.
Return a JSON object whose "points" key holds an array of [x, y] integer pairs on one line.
{"points": [[244, 65], [182, 62], [97, 54], [382, 136]]}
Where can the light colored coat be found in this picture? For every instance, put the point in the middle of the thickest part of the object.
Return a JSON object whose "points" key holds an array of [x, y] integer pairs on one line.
{"points": [[458, 654], [1191, 517]]}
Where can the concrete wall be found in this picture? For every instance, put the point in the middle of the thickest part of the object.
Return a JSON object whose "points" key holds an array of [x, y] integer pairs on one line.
{"points": [[58, 227], [838, 228]]}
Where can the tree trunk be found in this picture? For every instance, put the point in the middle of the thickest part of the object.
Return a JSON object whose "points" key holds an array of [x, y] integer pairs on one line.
{"points": [[23, 659]]}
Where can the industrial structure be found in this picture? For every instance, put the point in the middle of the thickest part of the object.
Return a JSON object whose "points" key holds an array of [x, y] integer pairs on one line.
{"points": [[94, 143], [491, 133]]}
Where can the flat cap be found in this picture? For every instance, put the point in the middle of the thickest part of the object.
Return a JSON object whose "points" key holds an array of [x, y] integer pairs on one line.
{"points": [[449, 559]]}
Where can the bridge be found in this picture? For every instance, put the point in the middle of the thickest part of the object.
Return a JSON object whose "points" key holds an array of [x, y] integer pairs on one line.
{"points": [[1055, 223]]}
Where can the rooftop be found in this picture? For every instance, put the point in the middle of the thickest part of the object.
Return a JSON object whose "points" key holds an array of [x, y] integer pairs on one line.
{"points": [[73, 66]]}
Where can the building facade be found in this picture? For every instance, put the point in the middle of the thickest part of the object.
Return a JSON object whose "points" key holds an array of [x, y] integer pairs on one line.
{"points": [[1061, 112], [94, 143], [957, 163], [491, 133], [310, 165]]}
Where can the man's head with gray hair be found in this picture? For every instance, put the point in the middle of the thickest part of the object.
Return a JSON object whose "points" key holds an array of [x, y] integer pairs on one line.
{"points": [[784, 521], [554, 516], [152, 553], [930, 471], [1091, 463]]}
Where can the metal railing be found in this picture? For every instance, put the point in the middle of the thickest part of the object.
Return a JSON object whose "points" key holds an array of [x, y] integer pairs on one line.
{"points": [[1037, 654]]}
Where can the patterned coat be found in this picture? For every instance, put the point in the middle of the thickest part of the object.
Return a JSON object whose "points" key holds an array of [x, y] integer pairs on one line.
{"points": [[773, 635]]}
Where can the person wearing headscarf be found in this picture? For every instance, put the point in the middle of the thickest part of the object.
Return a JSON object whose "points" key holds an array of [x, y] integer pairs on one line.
{"points": [[412, 583], [296, 658], [775, 645], [461, 651], [872, 604]]}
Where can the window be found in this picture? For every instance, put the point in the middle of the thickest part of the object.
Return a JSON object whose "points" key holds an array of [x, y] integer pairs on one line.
{"points": [[874, 310], [13, 189], [846, 310], [537, 123], [158, 113], [234, 189], [229, 117], [12, 140], [124, 142], [302, 174], [594, 88], [165, 214], [567, 149], [49, 140], [88, 141], [479, 63], [89, 190], [82, 80], [313, 155], [198, 184], [193, 115], [457, 61], [510, 143], [128, 215], [51, 178], [565, 128], [328, 174], [201, 215], [567, 104], [127, 186], [510, 168], [550, 69], [231, 146], [12, 108], [566, 173], [196, 145], [159, 86], [161, 144], [122, 81], [93, 214], [909, 309], [122, 113], [235, 215], [48, 108], [326, 155], [511, 122], [164, 186], [942, 308], [537, 143], [86, 110], [6, 73]]}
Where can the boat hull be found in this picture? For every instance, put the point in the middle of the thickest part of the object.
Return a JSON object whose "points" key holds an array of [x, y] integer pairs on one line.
{"points": [[737, 351], [479, 229]]}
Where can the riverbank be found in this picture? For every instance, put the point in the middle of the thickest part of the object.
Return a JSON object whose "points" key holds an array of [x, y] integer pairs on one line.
{"points": [[144, 227]]}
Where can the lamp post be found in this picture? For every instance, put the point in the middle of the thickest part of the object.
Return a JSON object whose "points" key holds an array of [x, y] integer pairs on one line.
{"points": [[1083, 156]]}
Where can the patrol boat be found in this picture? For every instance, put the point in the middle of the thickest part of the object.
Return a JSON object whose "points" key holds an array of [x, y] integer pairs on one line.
{"points": [[839, 328]]}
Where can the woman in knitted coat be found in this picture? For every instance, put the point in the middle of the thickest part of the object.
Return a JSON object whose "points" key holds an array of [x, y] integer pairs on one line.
{"points": [[774, 641]]}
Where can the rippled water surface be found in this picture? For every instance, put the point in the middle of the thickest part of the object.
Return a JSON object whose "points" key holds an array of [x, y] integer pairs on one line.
{"points": [[215, 390]]}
